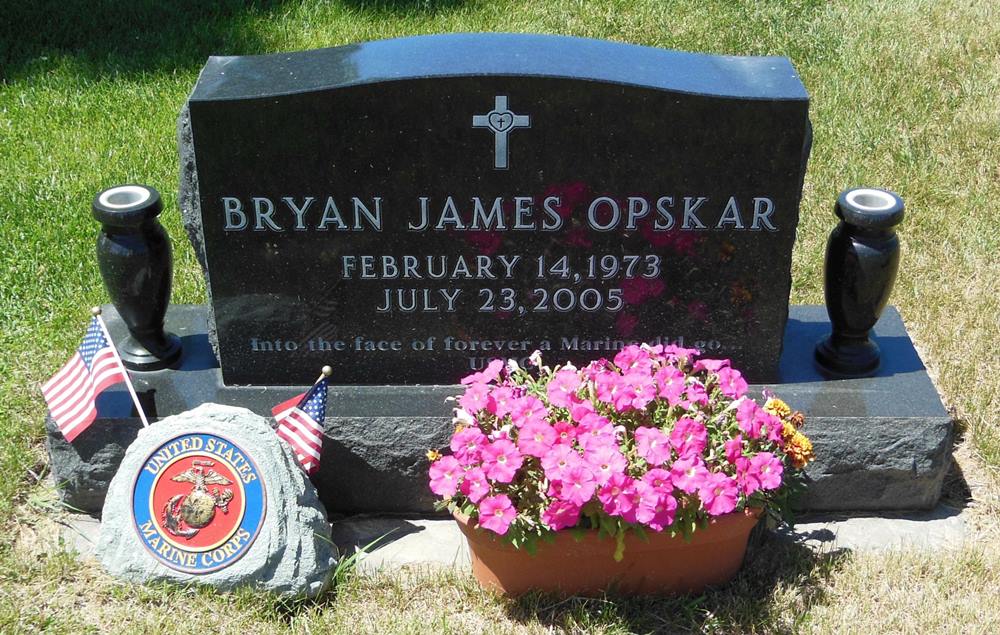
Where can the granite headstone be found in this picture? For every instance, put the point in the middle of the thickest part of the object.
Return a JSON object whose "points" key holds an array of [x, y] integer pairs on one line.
{"points": [[658, 191], [405, 210]]}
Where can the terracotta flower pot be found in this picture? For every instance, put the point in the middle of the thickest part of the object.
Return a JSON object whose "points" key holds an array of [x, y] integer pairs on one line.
{"points": [[661, 566]]}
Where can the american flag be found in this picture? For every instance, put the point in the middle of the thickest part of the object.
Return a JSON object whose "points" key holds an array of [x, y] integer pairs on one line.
{"points": [[300, 423], [72, 392]]}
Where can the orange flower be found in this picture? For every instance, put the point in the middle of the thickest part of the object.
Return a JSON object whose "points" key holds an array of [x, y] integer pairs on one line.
{"points": [[800, 450], [787, 431]]}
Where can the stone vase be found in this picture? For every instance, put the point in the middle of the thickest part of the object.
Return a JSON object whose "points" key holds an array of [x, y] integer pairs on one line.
{"points": [[862, 258], [136, 263], [663, 565]]}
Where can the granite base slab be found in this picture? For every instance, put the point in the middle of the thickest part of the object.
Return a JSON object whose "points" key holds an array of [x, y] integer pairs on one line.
{"points": [[388, 543], [882, 442]]}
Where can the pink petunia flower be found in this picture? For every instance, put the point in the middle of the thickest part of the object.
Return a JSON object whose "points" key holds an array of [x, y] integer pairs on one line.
{"points": [[747, 479], [562, 389], [609, 492], [670, 384], [536, 438], [607, 384], [558, 461], [664, 512], [746, 417], [474, 485], [579, 410], [660, 479], [675, 353], [634, 357], [501, 460], [577, 485], [768, 470], [597, 432], [640, 503], [560, 515], [688, 474], [734, 448], [653, 445], [711, 365], [731, 383], [639, 388], [688, 437], [718, 494], [605, 461], [528, 409], [467, 445], [772, 427], [491, 372], [496, 513], [502, 402], [476, 398], [446, 475], [696, 393], [565, 432]]}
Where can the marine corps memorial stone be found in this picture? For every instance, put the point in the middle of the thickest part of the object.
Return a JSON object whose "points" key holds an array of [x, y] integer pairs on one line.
{"points": [[406, 210], [212, 496]]}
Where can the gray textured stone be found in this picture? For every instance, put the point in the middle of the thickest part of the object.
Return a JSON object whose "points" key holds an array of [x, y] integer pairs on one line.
{"points": [[189, 201], [934, 530], [386, 543], [292, 553], [870, 463], [882, 442]]}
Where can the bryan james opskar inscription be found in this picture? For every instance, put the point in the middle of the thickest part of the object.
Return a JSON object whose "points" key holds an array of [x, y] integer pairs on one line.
{"points": [[414, 232], [518, 214]]}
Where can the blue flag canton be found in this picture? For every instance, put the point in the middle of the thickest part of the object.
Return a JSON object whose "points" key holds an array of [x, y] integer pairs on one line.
{"points": [[315, 403], [93, 342]]}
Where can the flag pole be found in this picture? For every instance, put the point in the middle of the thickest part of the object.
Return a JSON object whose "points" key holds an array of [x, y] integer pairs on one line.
{"points": [[96, 312], [326, 372]]}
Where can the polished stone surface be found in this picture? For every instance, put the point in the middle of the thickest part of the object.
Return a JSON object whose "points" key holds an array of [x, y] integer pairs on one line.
{"points": [[402, 210], [882, 442]]}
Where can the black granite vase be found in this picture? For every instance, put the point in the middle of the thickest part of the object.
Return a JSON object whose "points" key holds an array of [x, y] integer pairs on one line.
{"points": [[862, 257], [134, 255]]}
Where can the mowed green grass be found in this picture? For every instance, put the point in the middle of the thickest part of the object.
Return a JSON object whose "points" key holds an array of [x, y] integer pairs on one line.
{"points": [[905, 95]]}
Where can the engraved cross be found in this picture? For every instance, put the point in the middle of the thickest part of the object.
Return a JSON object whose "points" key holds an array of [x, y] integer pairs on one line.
{"points": [[501, 121]]}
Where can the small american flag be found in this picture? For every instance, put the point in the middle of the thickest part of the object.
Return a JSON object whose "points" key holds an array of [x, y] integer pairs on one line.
{"points": [[300, 423], [72, 392]]}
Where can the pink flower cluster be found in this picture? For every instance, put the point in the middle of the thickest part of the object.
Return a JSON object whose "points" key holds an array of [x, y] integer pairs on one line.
{"points": [[642, 438]]}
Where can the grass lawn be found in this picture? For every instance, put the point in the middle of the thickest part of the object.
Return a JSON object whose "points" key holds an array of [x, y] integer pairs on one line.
{"points": [[905, 95]]}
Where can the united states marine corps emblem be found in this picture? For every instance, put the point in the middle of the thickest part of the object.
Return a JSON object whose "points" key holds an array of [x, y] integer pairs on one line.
{"points": [[198, 503]]}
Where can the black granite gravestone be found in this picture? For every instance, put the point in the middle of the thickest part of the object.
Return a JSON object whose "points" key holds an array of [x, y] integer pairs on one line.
{"points": [[405, 210]]}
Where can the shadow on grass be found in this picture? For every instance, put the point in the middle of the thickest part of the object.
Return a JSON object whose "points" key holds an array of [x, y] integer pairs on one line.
{"points": [[98, 38], [756, 600]]}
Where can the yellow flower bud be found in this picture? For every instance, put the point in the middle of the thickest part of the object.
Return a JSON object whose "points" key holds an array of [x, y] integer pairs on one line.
{"points": [[433, 455], [777, 407]]}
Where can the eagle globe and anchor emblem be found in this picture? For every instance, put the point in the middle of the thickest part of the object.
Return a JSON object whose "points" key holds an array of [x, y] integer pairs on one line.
{"points": [[198, 502], [196, 508]]}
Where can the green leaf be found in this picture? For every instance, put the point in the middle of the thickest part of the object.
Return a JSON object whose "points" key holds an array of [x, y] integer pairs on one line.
{"points": [[620, 545]]}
